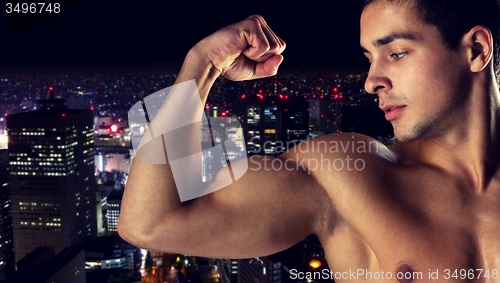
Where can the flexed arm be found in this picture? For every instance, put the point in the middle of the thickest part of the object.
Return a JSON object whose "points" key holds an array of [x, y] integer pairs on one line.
{"points": [[261, 212]]}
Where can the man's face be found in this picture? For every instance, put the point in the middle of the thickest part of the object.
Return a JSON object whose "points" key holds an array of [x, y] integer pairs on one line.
{"points": [[412, 69]]}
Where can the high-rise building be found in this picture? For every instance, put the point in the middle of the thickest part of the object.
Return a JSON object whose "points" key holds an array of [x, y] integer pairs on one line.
{"points": [[324, 116], [216, 131], [7, 263], [261, 269], [114, 201], [51, 170], [227, 269], [43, 265], [109, 252], [273, 124], [262, 127], [295, 121]]}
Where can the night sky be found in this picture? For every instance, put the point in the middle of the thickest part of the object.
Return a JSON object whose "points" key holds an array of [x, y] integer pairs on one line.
{"points": [[131, 35]]}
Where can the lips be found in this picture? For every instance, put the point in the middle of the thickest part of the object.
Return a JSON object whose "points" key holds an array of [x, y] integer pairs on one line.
{"points": [[388, 108], [392, 112]]}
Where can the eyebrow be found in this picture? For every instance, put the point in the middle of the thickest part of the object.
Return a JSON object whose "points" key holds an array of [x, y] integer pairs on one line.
{"points": [[390, 38]]}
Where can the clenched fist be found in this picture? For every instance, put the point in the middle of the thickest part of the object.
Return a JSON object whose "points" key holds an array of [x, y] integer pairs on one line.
{"points": [[243, 51]]}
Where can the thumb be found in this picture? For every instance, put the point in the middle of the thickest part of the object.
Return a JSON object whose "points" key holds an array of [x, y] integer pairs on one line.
{"points": [[269, 67]]}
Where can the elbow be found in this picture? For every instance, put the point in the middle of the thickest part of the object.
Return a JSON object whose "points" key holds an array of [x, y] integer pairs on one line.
{"points": [[131, 235], [142, 238], [124, 233]]}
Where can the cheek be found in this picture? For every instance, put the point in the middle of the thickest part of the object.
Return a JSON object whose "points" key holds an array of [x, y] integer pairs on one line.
{"points": [[436, 82]]}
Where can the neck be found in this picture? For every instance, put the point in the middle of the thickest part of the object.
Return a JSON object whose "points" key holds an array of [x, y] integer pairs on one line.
{"points": [[470, 148]]}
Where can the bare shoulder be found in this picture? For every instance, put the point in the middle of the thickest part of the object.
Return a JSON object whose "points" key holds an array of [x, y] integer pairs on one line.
{"points": [[346, 168], [344, 146], [349, 161]]}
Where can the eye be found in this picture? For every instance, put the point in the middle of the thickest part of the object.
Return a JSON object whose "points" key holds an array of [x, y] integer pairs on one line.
{"points": [[398, 55]]}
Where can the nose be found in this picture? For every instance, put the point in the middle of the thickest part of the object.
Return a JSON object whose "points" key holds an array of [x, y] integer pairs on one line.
{"points": [[377, 79]]}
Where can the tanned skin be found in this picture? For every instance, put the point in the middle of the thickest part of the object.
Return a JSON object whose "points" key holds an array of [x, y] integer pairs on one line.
{"points": [[429, 202]]}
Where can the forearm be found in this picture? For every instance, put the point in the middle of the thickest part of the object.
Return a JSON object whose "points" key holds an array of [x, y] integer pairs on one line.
{"points": [[151, 193], [197, 66]]}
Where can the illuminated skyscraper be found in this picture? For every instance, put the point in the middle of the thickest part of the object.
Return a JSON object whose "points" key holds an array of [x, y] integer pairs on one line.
{"points": [[295, 118], [324, 116], [7, 263], [263, 125], [114, 206], [274, 123], [51, 166]]}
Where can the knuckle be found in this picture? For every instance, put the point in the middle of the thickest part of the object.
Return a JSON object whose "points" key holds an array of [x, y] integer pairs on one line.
{"points": [[275, 47], [255, 19], [256, 16], [282, 46], [278, 46], [265, 47]]}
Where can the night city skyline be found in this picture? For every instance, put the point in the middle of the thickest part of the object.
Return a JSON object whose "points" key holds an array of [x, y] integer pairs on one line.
{"points": [[102, 57], [307, 104], [382, 160]]}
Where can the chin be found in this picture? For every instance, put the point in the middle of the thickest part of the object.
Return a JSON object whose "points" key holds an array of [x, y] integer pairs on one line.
{"points": [[408, 134], [403, 139]]}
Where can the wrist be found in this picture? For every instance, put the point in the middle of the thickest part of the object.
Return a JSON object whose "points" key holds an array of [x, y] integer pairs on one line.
{"points": [[202, 54], [198, 66]]}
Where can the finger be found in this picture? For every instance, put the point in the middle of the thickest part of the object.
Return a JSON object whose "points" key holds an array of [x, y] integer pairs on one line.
{"points": [[277, 45], [246, 69], [256, 38], [265, 43]]}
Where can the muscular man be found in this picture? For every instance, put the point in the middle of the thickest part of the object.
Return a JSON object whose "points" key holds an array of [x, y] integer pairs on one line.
{"points": [[428, 203]]}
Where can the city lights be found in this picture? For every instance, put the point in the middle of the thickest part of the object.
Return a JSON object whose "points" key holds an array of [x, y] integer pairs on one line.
{"points": [[315, 263], [295, 108], [114, 128]]}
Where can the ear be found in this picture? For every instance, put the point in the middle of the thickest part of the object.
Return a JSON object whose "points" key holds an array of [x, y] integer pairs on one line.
{"points": [[479, 42]]}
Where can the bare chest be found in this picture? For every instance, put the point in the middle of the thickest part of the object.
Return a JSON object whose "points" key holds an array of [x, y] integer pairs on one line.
{"points": [[417, 230]]}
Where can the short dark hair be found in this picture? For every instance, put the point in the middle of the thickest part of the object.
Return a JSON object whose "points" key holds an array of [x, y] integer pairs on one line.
{"points": [[454, 18]]}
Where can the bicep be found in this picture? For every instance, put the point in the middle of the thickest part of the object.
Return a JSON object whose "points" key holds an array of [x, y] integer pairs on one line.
{"points": [[269, 208]]}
